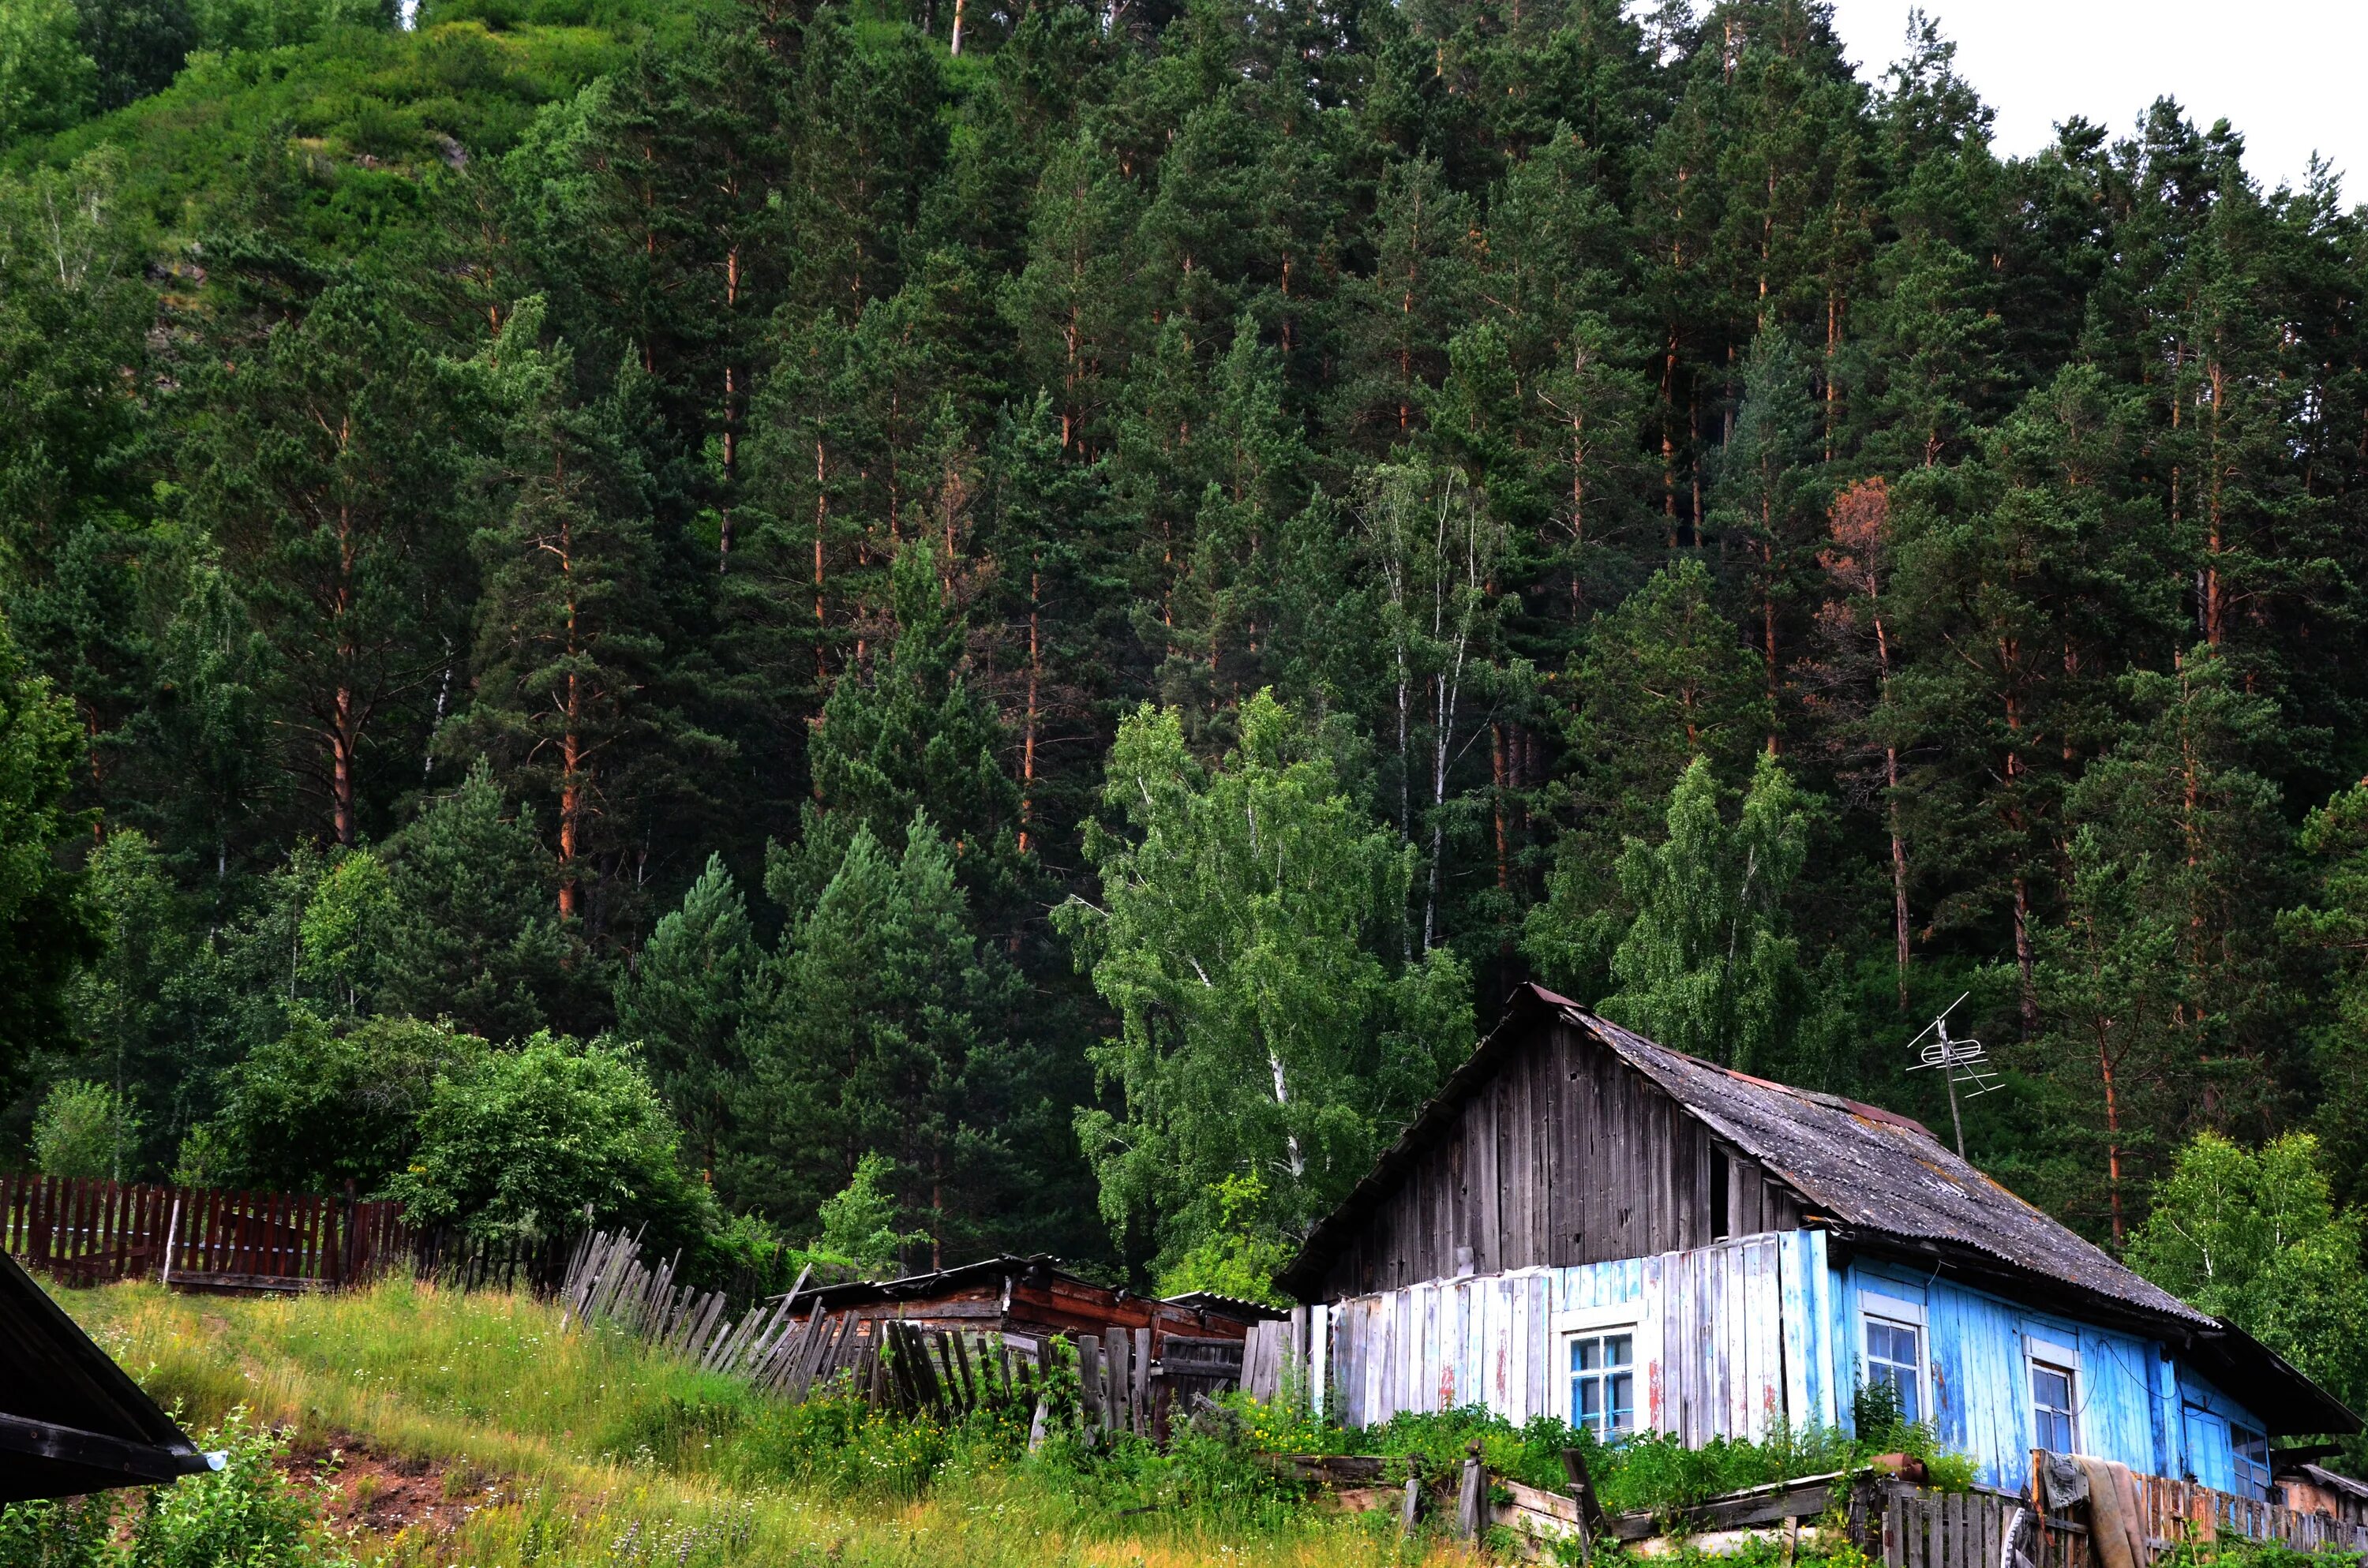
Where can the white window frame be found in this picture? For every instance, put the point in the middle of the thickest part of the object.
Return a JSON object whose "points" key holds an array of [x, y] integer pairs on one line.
{"points": [[1878, 1305], [1638, 1316], [2059, 1356], [1640, 1414]]}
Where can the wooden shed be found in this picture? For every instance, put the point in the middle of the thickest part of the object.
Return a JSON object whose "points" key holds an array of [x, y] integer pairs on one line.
{"points": [[71, 1420], [2311, 1488], [1030, 1299], [1140, 1355]]}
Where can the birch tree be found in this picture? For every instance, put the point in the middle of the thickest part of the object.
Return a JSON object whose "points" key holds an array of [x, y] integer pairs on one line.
{"points": [[1246, 914], [1436, 550]]}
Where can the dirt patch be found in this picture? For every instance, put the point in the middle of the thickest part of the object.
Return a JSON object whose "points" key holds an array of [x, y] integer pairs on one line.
{"points": [[362, 1488]]}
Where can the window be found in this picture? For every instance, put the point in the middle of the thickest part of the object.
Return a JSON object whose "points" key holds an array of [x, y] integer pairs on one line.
{"points": [[2052, 1406], [1603, 1381], [2252, 1451], [1895, 1355]]}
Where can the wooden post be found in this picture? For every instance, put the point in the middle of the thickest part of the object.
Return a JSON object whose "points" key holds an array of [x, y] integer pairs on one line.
{"points": [[1411, 1512], [1089, 1376], [1472, 1505]]}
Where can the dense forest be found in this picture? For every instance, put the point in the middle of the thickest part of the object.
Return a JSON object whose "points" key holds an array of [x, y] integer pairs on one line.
{"points": [[1040, 609]]}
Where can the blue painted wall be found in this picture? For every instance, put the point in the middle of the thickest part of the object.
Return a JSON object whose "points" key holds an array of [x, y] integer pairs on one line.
{"points": [[2134, 1403]]}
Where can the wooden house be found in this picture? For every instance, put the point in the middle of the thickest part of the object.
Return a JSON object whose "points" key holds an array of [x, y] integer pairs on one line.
{"points": [[1584, 1224]]}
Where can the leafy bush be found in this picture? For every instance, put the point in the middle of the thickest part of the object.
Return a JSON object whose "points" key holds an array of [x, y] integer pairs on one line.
{"points": [[325, 1104], [523, 1141], [64, 1533], [245, 1514], [1239, 1254], [84, 1129]]}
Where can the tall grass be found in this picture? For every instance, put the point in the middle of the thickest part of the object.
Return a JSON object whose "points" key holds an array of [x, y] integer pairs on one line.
{"points": [[607, 1453]]}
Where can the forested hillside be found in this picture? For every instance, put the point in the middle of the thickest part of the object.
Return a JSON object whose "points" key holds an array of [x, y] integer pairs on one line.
{"points": [[1068, 595]]}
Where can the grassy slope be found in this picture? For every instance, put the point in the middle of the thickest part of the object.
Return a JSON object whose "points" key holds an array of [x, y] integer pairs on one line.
{"points": [[376, 111], [600, 1443]]}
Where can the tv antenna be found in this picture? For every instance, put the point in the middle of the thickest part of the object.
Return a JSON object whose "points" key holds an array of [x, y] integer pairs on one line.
{"points": [[1960, 1061]]}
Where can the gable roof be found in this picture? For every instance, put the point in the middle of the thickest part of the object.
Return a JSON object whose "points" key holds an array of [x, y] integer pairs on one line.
{"points": [[1874, 1171], [1870, 1176], [71, 1420]]}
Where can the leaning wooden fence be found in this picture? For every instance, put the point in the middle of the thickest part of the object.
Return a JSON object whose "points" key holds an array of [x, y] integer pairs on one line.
{"points": [[899, 1365], [90, 1231]]}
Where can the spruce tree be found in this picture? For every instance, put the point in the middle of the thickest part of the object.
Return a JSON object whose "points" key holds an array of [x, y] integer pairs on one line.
{"points": [[681, 1001], [883, 1025]]}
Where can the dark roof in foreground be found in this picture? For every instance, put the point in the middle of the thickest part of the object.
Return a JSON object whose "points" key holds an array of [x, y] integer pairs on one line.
{"points": [[1869, 1176], [71, 1420]]}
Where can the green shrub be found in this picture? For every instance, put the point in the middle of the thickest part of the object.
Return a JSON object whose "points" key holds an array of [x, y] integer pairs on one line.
{"points": [[66, 1532], [247, 1515], [84, 1129], [521, 1142]]}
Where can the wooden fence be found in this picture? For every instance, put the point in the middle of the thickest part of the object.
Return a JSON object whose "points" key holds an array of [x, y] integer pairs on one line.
{"points": [[902, 1366], [1916, 1529], [89, 1232], [1928, 1529]]}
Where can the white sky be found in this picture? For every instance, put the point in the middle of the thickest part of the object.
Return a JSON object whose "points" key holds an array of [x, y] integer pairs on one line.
{"points": [[2286, 73]]}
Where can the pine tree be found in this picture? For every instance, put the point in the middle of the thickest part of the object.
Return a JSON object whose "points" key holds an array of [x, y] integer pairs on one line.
{"points": [[571, 675], [1761, 503], [329, 475]]}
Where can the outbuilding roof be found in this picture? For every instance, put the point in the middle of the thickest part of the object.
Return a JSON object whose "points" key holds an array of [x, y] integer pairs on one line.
{"points": [[71, 1420], [1872, 1177]]}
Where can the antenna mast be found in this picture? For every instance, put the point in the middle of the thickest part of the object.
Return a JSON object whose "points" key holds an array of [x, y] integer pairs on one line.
{"points": [[1960, 1061]]}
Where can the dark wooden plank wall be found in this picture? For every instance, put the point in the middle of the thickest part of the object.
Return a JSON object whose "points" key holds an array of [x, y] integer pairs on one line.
{"points": [[1568, 1155]]}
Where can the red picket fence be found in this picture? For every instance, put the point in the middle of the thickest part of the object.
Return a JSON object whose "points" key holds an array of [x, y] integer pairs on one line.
{"points": [[88, 1232]]}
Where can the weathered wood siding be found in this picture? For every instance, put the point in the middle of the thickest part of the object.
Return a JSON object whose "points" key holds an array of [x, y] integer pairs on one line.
{"points": [[1743, 1336], [1569, 1156], [1729, 1338], [2132, 1397]]}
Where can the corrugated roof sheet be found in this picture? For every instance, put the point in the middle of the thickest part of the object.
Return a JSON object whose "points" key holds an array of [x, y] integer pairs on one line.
{"points": [[1872, 1169]]}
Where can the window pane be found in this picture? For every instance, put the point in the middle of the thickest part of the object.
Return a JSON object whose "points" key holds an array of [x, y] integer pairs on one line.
{"points": [[2054, 1431], [1585, 1355], [2051, 1388], [1589, 1391], [1618, 1349], [1622, 1400]]}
